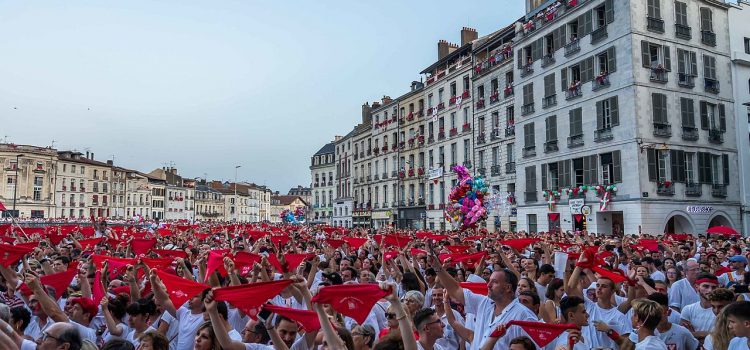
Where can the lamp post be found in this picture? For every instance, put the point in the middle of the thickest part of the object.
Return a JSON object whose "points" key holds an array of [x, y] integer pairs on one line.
{"points": [[236, 200], [15, 188]]}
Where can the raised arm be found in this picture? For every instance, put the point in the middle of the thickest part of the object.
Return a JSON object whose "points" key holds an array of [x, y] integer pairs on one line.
{"points": [[452, 287], [404, 324], [48, 305], [220, 329], [161, 295]]}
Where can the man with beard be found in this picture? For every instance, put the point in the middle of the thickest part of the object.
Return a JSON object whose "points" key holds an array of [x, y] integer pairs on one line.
{"points": [[699, 317]]}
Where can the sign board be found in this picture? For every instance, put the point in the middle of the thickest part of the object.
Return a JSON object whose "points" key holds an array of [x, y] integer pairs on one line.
{"points": [[435, 173], [575, 205], [699, 209]]}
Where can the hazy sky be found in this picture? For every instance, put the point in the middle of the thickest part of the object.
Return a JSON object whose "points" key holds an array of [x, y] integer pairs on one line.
{"points": [[211, 84]]}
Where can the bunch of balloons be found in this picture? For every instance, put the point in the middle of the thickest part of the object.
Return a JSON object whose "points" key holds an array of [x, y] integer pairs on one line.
{"points": [[292, 217], [466, 206]]}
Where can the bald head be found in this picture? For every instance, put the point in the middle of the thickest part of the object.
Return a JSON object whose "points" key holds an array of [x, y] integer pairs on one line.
{"points": [[691, 270]]}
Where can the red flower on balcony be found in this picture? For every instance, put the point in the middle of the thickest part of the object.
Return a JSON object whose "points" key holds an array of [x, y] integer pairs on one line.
{"points": [[431, 206], [376, 150], [452, 101], [385, 148], [420, 138], [467, 127], [411, 142], [411, 172], [401, 174], [480, 103], [394, 147], [495, 96], [441, 106], [454, 131], [465, 94], [420, 171], [410, 116]]}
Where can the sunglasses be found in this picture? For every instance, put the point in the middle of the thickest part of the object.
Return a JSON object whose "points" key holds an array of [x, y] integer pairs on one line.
{"points": [[389, 315]]}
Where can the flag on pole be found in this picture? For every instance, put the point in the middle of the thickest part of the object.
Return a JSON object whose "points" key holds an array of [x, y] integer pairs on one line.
{"points": [[2, 207]]}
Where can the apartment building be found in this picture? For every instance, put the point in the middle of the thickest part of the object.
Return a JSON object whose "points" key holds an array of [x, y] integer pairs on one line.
{"points": [[362, 155], [383, 155], [343, 203], [322, 169], [739, 48], [412, 170], [29, 176]]}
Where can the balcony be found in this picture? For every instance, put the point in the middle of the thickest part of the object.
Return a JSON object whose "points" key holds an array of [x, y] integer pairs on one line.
{"points": [[572, 47], [508, 91], [527, 70], [602, 135], [65, 188], [719, 190], [480, 139], [599, 34], [711, 85], [495, 97], [659, 75], [441, 106], [83, 189], [510, 168], [530, 197], [655, 25], [495, 135], [466, 127], [551, 146], [529, 151], [686, 80], [453, 132], [715, 136], [480, 103], [441, 135], [384, 176], [708, 38], [510, 130], [682, 31], [361, 154], [575, 141], [431, 207], [495, 170], [376, 205], [356, 181], [527, 109], [401, 144], [549, 101], [689, 133], [376, 177], [601, 82], [548, 60], [481, 171], [452, 101], [665, 188], [574, 91], [369, 152], [394, 173], [369, 178], [693, 189], [662, 129], [431, 139]]}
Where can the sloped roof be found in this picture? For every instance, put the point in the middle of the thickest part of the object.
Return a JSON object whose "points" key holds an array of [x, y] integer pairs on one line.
{"points": [[327, 149], [287, 200]]}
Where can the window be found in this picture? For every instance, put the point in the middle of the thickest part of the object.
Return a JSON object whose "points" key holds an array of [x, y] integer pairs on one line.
{"points": [[480, 91], [659, 106], [607, 114], [528, 135], [509, 153], [655, 56], [709, 67], [707, 24], [509, 79], [453, 89], [747, 45], [550, 126], [528, 94], [687, 111], [531, 218], [467, 150], [654, 8], [680, 13], [576, 122], [658, 165], [429, 101], [549, 85], [572, 30], [578, 172], [454, 151], [453, 120], [530, 172], [611, 167], [495, 156], [481, 159], [687, 65], [600, 18], [440, 95], [713, 116]]}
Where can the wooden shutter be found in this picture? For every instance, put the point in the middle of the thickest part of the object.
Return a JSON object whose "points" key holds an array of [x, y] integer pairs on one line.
{"points": [[599, 116], [658, 103], [704, 115], [653, 170], [725, 166], [681, 64], [614, 111], [704, 168], [528, 133], [677, 160], [594, 169], [687, 111], [609, 11], [564, 79], [581, 26], [549, 85], [520, 59], [564, 168], [722, 118], [588, 24], [645, 56], [544, 177], [556, 39], [530, 179], [552, 128], [616, 167], [667, 58], [611, 59], [706, 20]]}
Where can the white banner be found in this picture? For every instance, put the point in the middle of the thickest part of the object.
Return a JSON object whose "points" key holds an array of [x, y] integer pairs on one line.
{"points": [[435, 173], [575, 205]]}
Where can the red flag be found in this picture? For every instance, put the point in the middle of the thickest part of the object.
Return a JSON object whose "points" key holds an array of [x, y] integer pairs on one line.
{"points": [[438, 238], [280, 240], [520, 243], [470, 258], [215, 262], [353, 300], [56, 239], [542, 333], [170, 253], [650, 244], [158, 263], [475, 287], [2, 207], [31, 245], [458, 249], [389, 255], [249, 297], [10, 254], [416, 251], [97, 289], [58, 281], [355, 242], [393, 240], [116, 266], [87, 231], [180, 290], [90, 243], [335, 243], [612, 275], [142, 246], [294, 260], [307, 320], [244, 261]]}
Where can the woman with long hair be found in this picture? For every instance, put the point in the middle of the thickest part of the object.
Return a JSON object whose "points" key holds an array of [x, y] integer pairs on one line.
{"points": [[673, 275], [205, 338], [551, 308], [720, 336], [525, 284], [152, 340]]}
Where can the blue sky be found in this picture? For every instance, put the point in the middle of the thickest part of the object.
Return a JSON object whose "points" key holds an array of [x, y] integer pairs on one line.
{"points": [[208, 85]]}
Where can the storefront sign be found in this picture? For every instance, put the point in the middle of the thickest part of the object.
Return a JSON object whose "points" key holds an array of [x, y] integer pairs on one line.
{"points": [[381, 215], [575, 205], [700, 209]]}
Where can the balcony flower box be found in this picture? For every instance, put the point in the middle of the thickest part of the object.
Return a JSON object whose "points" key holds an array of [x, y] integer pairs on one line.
{"points": [[385, 148], [401, 144], [480, 103], [376, 150], [454, 131], [452, 101], [401, 174], [508, 90], [394, 147], [495, 97], [411, 142], [431, 207], [411, 172], [465, 94], [441, 106], [420, 139], [429, 111], [420, 171], [466, 127], [410, 116], [441, 135]]}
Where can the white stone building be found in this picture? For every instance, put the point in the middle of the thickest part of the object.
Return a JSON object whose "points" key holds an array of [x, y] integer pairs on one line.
{"points": [[362, 166], [630, 94], [322, 169], [739, 47], [411, 153], [343, 203], [382, 158]]}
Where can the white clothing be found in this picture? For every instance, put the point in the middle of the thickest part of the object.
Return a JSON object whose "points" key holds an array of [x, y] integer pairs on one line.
{"points": [[658, 276], [450, 339], [701, 319], [236, 320], [612, 317], [107, 335], [173, 329], [682, 294], [28, 345], [679, 338], [86, 332], [299, 344], [131, 337], [485, 323], [234, 335], [561, 342], [651, 343], [738, 343], [187, 327], [34, 329], [541, 291], [736, 277], [434, 347]]}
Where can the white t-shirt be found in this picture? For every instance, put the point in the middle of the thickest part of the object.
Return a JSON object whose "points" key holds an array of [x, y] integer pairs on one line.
{"points": [[34, 329], [234, 335], [299, 344], [86, 332], [131, 337], [107, 335], [189, 324], [173, 329], [450, 339], [682, 294], [701, 319], [484, 308], [658, 276], [679, 338], [612, 317], [434, 347], [561, 342], [738, 343], [651, 343], [736, 276], [541, 290], [236, 320]]}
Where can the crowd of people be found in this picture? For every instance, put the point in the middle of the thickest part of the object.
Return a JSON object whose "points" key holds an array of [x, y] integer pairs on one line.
{"points": [[213, 286]]}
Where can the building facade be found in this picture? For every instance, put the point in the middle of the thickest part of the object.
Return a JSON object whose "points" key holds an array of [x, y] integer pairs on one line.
{"points": [[739, 47], [382, 156], [322, 169], [410, 174], [361, 156], [84, 184], [29, 176], [343, 204], [280, 203], [578, 69]]}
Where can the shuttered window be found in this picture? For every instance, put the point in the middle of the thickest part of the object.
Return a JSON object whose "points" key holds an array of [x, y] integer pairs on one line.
{"points": [[530, 172], [725, 167], [680, 13], [528, 93], [654, 8], [707, 19], [528, 135], [677, 160], [709, 67], [549, 85], [590, 169], [659, 105], [687, 112], [551, 128], [564, 167], [576, 125]]}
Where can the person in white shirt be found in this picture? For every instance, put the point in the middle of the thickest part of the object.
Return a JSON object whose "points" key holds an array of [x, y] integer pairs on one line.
{"points": [[676, 337], [738, 320], [647, 315], [738, 264], [430, 329], [682, 292], [699, 317], [573, 311]]}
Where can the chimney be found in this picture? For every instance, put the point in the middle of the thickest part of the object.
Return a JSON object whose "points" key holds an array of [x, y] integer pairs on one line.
{"points": [[416, 85], [386, 100], [452, 47], [110, 163], [443, 49], [365, 111], [92, 155], [468, 35], [87, 154]]}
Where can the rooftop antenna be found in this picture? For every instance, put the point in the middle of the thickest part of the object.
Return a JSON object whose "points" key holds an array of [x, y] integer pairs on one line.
{"points": [[5, 139], [53, 144]]}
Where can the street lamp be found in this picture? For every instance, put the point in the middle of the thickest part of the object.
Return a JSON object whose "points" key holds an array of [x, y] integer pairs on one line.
{"points": [[236, 200], [15, 188]]}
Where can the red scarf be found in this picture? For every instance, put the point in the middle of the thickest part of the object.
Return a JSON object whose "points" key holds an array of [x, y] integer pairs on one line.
{"points": [[10, 254], [542, 333], [180, 290], [249, 297], [307, 320], [353, 300]]}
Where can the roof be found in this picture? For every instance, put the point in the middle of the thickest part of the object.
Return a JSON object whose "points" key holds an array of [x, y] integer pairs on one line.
{"points": [[455, 54], [287, 200], [487, 40], [74, 156], [328, 148]]}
